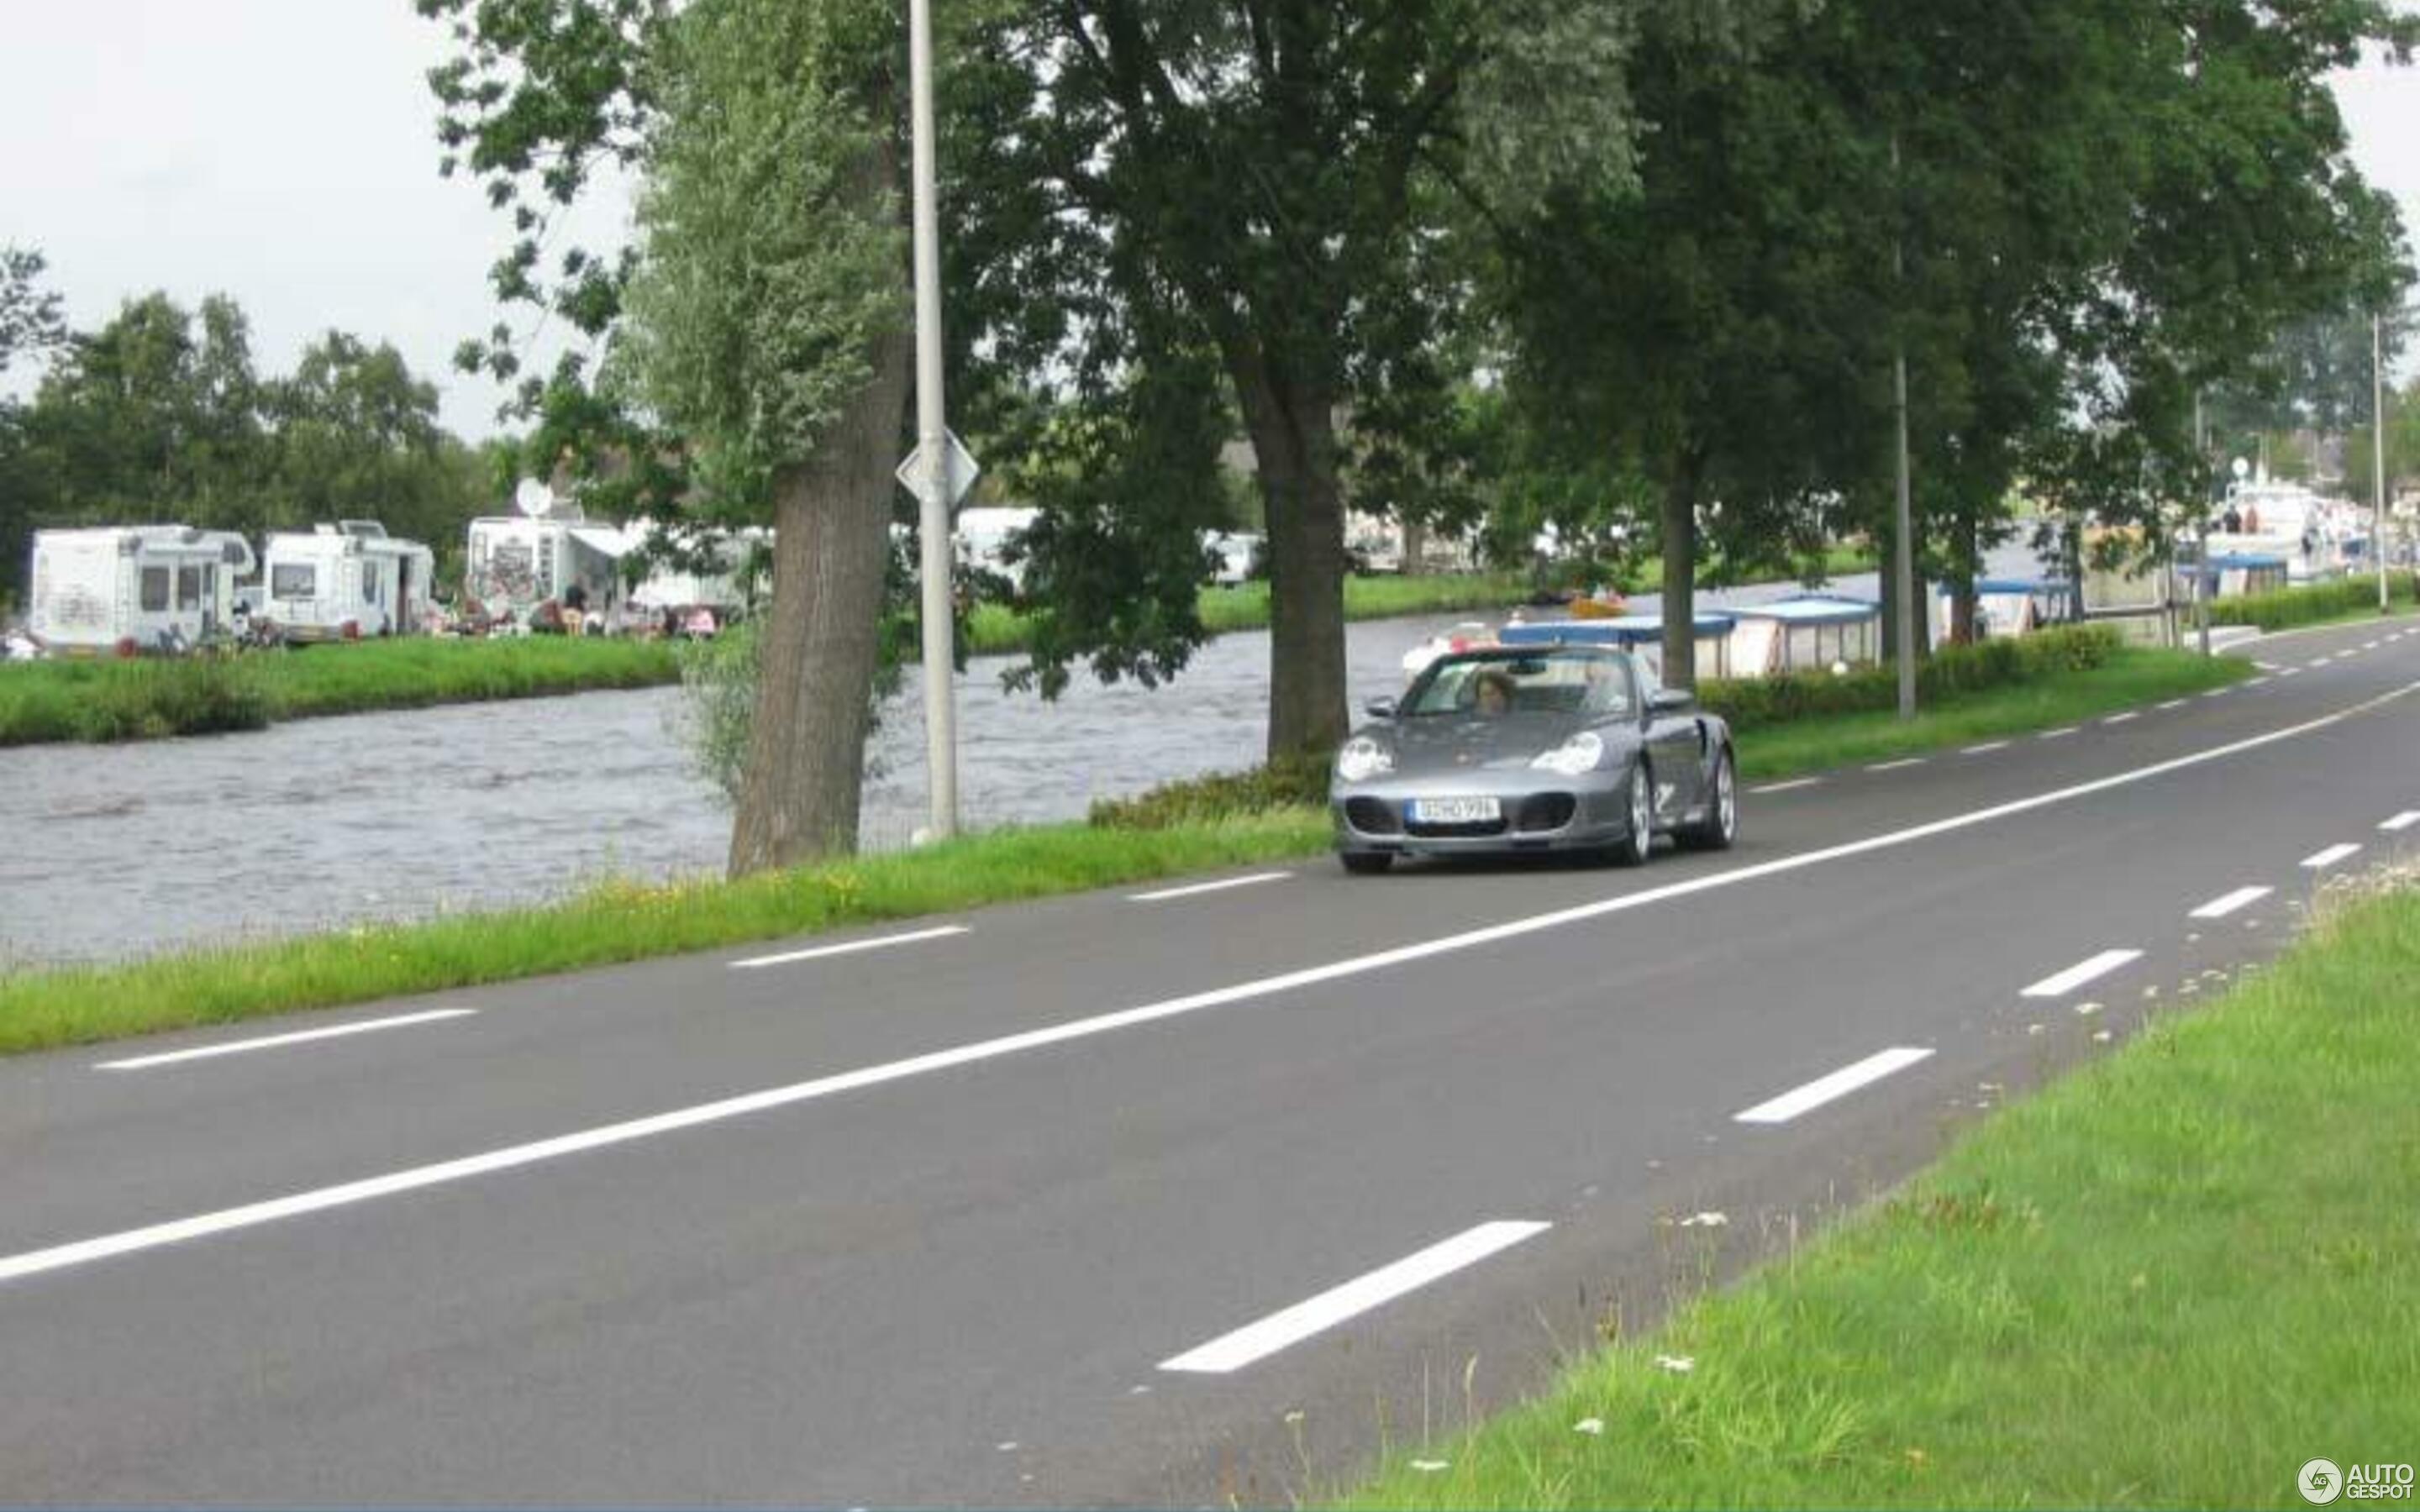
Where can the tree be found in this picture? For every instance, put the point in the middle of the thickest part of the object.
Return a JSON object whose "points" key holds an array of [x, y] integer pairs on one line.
{"points": [[32, 319]]}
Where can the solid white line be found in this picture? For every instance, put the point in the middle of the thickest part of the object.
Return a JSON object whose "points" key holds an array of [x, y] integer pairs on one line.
{"points": [[1825, 1089], [2330, 856], [152, 1236], [850, 949], [1893, 766], [1207, 887], [1986, 748], [2121, 718], [2060, 734], [2173, 704], [1258, 1341], [2402, 821], [2221, 907], [2080, 973], [238, 1047], [1785, 787]]}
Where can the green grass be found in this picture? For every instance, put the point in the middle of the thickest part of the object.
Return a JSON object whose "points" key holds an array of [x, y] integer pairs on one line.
{"points": [[614, 920], [2128, 679], [112, 699], [2168, 1280], [2348, 601]]}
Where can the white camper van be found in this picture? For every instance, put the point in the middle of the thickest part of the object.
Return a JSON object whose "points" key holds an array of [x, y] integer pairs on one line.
{"points": [[345, 581], [126, 590], [517, 561]]}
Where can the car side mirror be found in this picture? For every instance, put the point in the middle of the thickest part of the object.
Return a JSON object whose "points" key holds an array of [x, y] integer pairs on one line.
{"points": [[1380, 708], [1671, 699]]}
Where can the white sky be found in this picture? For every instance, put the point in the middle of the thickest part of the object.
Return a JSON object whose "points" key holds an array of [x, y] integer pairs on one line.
{"points": [[283, 152]]}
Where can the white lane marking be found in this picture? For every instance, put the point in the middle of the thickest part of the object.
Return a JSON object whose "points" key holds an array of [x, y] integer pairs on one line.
{"points": [[33, 1262], [2369, 645], [755, 963], [2265, 666], [1281, 1330], [238, 1047], [2218, 692], [1893, 766], [1785, 787], [2323, 860], [2080, 973], [2060, 734], [2319, 661], [2121, 718], [2173, 704], [2221, 906], [1985, 749], [2256, 682], [1838, 1085], [2291, 671], [1165, 893], [2402, 821]]}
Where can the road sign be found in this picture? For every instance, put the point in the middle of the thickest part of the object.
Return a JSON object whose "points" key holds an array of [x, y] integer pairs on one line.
{"points": [[960, 471]]}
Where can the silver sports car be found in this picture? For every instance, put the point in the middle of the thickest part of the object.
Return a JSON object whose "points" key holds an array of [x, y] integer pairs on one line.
{"points": [[1534, 749]]}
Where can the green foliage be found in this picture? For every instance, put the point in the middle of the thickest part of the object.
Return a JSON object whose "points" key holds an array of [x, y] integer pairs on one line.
{"points": [[718, 688], [33, 321], [1287, 782], [1950, 673], [2287, 607]]}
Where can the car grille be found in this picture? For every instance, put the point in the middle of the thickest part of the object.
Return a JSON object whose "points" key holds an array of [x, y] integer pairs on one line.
{"points": [[1371, 816], [1486, 826], [1545, 810]]}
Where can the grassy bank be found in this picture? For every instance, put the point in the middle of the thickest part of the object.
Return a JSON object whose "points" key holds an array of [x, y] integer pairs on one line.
{"points": [[144, 699], [2352, 599], [616, 921], [2169, 1279]]}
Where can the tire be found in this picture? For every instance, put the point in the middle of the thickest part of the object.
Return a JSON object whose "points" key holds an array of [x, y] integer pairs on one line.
{"points": [[1635, 847], [1720, 827], [1365, 863]]}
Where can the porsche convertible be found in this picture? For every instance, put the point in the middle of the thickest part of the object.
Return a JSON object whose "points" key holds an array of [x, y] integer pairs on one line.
{"points": [[1514, 748]]}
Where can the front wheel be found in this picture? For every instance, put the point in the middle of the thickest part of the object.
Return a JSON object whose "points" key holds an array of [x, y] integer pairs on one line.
{"points": [[1365, 863], [1633, 847], [1720, 827]]}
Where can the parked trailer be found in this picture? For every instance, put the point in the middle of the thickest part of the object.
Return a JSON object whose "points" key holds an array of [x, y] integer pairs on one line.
{"points": [[345, 581], [519, 562], [131, 589]]}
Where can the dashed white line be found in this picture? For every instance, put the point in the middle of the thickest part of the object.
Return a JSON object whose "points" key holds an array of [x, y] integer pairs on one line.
{"points": [[2218, 692], [2369, 645], [1338, 1305], [2173, 704], [2120, 718], [2401, 822], [2060, 734], [2256, 682], [1785, 787], [2319, 661], [1985, 749], [2221, 907], [1838, 1085], [2291, 671], [2265, 666], [1893, 766], [1165, 893], [2322, 860], [755, 963], [276, 1041], [2080, 973]]}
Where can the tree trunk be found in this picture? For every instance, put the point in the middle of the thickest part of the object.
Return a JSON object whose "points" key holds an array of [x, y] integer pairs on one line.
{"points": [[1292, 426], [1680, 530], [1416, 546], [831, 518], [1965, 563]]}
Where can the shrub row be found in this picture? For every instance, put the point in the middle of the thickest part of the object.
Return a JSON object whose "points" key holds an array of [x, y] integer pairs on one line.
{"points": [[1751, 703], [2303, 605], [1288, 782]]}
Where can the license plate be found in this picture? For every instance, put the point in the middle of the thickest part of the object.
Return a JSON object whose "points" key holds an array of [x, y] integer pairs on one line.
{"points": [[1454, 811]]}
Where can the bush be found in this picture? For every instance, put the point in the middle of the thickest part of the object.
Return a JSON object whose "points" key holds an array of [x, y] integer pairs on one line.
{"points": [[1750, 704], [2303, 605], [1288, 782]]}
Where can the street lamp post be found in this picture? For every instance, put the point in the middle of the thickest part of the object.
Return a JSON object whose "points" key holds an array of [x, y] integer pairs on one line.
{"points": [[933, 449]]}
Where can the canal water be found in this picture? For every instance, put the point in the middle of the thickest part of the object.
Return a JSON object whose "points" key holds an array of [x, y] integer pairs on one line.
{"points": [[117, 851]]}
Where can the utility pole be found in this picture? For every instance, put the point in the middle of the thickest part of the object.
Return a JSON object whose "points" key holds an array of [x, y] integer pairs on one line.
{"points": [[933, 443], [2377, 451], [1903, 567]]}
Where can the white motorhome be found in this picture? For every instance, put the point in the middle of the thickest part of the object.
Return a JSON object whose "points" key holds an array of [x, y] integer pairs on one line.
{"points": [[126, 590], [345, 581], [517, 561]]}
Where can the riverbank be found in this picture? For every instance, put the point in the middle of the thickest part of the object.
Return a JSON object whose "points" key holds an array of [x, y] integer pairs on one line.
{"points": [[2171, 1278], [620, 922]]}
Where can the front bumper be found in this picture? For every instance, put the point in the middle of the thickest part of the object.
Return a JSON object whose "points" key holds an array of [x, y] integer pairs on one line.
{"points": [[1540, 812]]}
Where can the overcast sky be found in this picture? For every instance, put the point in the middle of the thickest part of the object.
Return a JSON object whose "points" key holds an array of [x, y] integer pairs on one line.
{"points": [[283, 152]]}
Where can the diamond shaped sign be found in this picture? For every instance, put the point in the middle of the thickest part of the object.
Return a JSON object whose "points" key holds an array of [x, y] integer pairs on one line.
{"points": [[959, 471]]}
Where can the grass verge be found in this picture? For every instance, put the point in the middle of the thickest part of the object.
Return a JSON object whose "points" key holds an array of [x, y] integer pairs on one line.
{"points": [[2169, 1279], [148, 698], [616, 921]]}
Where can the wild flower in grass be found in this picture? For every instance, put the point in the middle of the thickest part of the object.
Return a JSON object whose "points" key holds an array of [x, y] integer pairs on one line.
{"points": [[2102, 1037], [1592, 1425], [2087, 1010], [1680, 1364]]}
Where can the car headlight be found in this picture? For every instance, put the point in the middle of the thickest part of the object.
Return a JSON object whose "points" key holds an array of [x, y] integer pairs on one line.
{"points": [[1363, 758], [1578, 754]]}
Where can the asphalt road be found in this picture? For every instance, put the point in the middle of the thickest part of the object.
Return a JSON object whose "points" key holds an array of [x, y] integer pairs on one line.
{"points": [[1101, 1200]]}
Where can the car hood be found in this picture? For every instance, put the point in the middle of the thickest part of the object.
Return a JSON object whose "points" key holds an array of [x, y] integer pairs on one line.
{"points": [[1445, 742]]}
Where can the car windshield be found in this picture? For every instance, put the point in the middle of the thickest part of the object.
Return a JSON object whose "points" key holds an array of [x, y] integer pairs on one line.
{"points": [[1561, 681]]}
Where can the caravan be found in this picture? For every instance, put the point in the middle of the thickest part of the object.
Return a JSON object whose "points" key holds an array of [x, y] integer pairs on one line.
{"points": [[126, 590], [345, 581], [519, 562]]}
